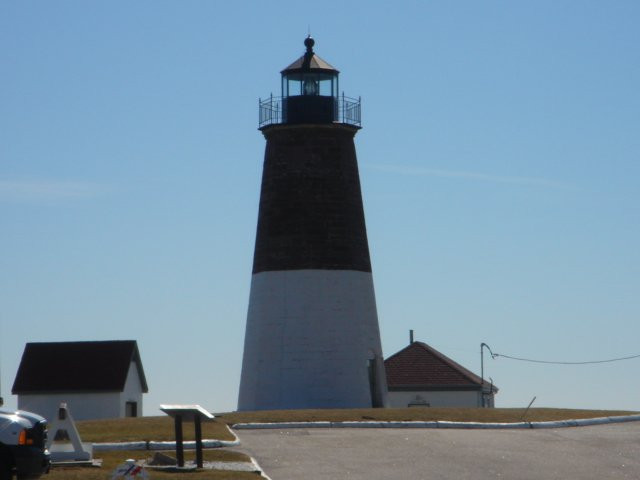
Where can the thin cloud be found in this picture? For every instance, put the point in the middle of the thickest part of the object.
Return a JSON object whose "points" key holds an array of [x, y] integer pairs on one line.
{"points": [[46, 190], [483, 177]]}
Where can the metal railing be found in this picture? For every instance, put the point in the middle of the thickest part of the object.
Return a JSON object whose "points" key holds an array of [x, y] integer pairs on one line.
{"points": [[270, 111], [348, 111]]}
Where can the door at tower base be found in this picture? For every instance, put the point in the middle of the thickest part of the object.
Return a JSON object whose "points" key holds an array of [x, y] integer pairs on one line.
{"points": [[312, 342]]}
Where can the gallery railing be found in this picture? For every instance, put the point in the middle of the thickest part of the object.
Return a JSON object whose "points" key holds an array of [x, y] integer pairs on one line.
{"points": [[346, 110]]}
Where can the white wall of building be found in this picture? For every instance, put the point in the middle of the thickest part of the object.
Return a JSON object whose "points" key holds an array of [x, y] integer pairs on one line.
{"points": [[132, 390], [453, 398], [83, 406], [310, 335], [87, 406]]}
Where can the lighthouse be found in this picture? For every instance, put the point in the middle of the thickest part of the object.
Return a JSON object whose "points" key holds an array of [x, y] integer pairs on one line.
{"points": [[312, 338]]}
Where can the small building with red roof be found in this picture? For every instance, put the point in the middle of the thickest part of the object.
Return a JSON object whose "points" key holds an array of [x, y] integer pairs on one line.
{"points": [[420, 376]]}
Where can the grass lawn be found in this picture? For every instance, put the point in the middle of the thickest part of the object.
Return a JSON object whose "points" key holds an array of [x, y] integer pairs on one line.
{"points": [[150, 428], [114, 458], [146, 428], [161, 428]]}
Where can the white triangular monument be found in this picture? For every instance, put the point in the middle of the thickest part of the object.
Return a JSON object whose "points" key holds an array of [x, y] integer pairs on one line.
{"points": [[63, 427]]}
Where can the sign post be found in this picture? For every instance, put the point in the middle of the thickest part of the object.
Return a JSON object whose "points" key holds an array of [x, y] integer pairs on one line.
{"points": [[187, 412]]}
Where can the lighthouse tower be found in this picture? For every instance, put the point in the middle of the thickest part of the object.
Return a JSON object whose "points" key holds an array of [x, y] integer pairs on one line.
{"points": [[312, 338]]}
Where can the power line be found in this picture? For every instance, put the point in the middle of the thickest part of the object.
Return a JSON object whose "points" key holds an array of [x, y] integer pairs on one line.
{"points": [[494, 355]]}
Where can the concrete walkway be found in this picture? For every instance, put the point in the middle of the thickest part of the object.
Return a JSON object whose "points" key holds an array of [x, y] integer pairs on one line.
{"points": [[594, 452]]}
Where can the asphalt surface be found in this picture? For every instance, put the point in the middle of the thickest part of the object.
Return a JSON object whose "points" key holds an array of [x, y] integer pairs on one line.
{"points": [[598, 452]]}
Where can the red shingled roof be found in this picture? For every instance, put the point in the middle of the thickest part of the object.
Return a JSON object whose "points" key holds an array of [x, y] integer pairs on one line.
{"points": [[419, 365], [77, 367]]}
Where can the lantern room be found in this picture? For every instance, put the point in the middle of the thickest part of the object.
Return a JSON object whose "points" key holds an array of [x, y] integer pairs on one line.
{"points": [[309, 95], [309, 89]]}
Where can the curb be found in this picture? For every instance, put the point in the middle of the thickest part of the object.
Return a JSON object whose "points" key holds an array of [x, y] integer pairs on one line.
{"points": [[258, 468], [151, 445], [583, 422]]}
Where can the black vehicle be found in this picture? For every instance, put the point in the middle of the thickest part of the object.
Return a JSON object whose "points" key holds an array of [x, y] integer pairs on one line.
{"points": [[23, 439]]}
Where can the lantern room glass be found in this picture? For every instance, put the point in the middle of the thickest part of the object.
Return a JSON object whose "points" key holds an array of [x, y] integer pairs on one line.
{"points": [[310, 84]]}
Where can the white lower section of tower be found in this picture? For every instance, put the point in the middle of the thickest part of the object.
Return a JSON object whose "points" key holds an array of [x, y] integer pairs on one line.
{"points": [[312, 341]]}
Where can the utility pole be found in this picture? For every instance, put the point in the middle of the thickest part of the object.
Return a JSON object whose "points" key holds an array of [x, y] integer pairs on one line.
{"points": [[482, 347]]}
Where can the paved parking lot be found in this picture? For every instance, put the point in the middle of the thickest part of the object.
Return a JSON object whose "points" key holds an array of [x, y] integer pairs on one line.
{"points": [[599, 452]]}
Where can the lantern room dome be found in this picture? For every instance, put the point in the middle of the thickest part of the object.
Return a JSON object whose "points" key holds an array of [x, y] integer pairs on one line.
{"points": [[310, 62]]}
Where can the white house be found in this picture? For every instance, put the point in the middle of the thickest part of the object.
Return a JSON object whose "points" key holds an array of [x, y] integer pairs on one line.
{"points": [[420, 376], [103, 379]]}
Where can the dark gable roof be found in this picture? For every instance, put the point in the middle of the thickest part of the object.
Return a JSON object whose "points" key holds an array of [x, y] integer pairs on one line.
{"points": [[419, 365], [77, 367]]}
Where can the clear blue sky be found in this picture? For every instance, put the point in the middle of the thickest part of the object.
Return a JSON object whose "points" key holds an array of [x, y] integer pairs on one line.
{"points": [[499, 164]]}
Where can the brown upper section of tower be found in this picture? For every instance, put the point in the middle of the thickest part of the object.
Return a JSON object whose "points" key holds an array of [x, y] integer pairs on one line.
{"points": [[311, 214]]}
